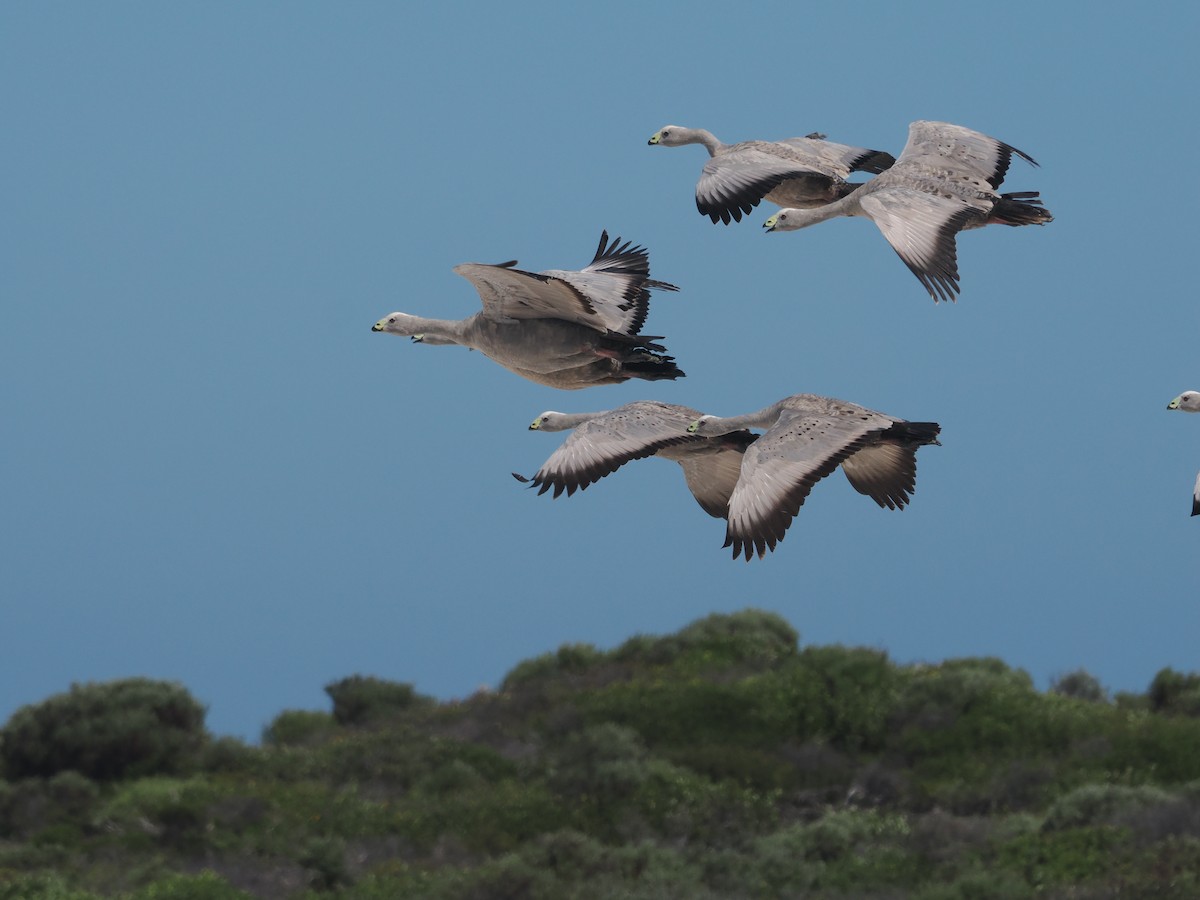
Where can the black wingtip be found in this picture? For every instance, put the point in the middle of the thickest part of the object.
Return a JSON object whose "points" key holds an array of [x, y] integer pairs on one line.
{"points": [[520, 478]]}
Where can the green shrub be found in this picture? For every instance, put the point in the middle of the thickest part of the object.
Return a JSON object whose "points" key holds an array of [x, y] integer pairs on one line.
{"points": [[360, 699], [845, 695], [205, 886], [1101, 804], [39, 886], [750, 637], [105, 731], [169, 811], [294, 727], [1080, 685], [1175, 692], [33, 804], [569, 659]]}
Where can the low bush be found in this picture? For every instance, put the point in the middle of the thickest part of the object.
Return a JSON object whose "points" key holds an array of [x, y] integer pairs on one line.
{"points": [[360, 699], [105, 731]]}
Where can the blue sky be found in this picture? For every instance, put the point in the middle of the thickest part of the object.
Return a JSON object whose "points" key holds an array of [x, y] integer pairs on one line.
{"points": [[213, 471]]}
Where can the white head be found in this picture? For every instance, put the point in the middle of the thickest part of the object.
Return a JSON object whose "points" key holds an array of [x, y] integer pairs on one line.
{"points": [[673, 136], [788, 220], [1188, 401], [548, 421], [398, 323], [702, 426]]}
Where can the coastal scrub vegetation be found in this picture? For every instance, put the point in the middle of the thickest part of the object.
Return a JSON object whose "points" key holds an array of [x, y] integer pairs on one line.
{"points": [[726, 760]]}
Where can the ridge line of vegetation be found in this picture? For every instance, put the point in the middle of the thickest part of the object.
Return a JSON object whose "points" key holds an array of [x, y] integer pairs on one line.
{"points": [[726, 760]]}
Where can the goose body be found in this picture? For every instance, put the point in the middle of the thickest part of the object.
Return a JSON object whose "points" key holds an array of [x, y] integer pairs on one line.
{"points": [[602, 442], [797, 172], [805, 438], [1189, 401], [944, 181], [563, 329]]}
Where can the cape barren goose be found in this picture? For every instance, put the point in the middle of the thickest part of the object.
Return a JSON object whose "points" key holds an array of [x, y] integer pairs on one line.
{"points": [[1189, 401], [806, 438], [602, 442], [563, 329], [800, 172], [945, 181]]}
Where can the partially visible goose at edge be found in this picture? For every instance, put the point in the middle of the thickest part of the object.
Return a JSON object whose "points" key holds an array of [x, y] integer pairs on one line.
{"points": [[800, 172], [806, 438], [1189, 401], [944, 182], [563, 329], [602, 442]]}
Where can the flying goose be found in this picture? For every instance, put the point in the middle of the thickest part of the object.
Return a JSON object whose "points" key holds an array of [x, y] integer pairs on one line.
{"points": [[945, 181], [1189, 401], [806, 438], [602, 442], [563, 329], [801, 172]]}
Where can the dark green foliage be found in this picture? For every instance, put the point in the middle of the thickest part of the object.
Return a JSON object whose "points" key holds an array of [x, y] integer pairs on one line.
{"points": [[1175, 692], [113, 730], [298, 726], [1081, 685], [360, 699], [719, 762], [40, 887], [32, 805], [205, 886], [751, 637], [568, 660]]}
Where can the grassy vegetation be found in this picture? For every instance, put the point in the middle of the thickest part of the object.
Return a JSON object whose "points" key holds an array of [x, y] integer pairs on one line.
{"points": [[724, 761]]}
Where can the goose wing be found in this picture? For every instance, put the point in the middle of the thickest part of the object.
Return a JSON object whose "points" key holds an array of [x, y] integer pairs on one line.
{"points": [[887, 471], [602, 445], [712, 468], [921, 227], [781, 467], [952, 150], [611, 294]]}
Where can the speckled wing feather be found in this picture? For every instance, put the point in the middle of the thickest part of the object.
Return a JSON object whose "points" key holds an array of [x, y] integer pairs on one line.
{"points": [[945, 148], [781, 467]]}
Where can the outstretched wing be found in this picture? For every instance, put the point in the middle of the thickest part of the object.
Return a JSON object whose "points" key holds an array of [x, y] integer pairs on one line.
{"points": [[953, 150], [602, 445], [887, 472], [610, 294], [781, 467], [921, 228]]}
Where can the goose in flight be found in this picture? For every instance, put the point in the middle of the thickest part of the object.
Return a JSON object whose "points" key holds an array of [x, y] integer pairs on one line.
{"points": [[806, 437], [563, 329], [602, 442], [800, 172], [1189, 401], [945, 181]]}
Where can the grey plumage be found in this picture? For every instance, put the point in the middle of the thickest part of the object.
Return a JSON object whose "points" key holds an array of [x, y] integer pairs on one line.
{"points": [[1189, 401], [602, 442], [806, 438], [944, 182], [796, 172], [561, 328]]}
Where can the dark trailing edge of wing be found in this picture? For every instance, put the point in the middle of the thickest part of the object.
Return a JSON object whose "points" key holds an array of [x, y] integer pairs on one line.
{"points": [[873, 161], [579, 481], [741, 201], [1005, 158]]}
